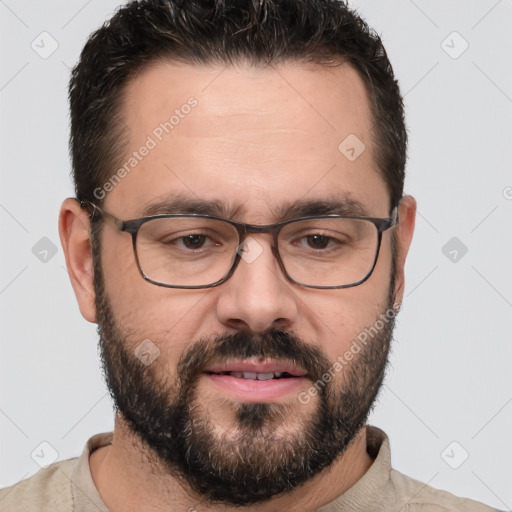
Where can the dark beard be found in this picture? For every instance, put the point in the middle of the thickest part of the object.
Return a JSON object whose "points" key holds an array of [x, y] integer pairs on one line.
{"points": [[250, 463]]}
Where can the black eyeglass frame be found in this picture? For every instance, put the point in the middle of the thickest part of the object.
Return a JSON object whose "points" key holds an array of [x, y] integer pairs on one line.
{"points": [[132, 227]]}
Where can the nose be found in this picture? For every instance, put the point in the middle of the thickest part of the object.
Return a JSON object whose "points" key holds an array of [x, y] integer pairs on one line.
{"points": [[257, 296]]}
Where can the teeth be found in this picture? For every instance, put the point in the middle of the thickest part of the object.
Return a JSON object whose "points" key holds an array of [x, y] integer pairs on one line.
{"points": [[257, 376], [265, 376]]}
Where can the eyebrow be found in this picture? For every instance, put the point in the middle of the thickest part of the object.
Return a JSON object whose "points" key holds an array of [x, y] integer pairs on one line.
{"points": [[175, 204], [339, 205], [180, 204]]}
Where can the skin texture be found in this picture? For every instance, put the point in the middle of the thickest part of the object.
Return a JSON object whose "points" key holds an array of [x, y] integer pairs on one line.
{"points": [[257, 140]]}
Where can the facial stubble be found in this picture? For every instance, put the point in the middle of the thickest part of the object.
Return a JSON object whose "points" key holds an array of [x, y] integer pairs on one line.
{"points": [[269, 448]]}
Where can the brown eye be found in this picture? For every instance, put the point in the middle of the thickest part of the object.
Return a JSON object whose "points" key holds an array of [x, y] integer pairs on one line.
{"points": [[193, 241], [318, 241]]}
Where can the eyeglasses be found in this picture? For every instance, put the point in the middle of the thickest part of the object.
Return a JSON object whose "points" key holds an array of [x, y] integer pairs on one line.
{"points": [[203, 251]]}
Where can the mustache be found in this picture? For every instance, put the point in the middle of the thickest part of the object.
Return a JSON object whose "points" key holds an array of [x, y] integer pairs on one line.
{"points": [[272, 344]]}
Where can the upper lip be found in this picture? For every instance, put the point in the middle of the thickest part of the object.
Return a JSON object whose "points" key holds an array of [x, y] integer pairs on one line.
{"points": [[252, 366]]}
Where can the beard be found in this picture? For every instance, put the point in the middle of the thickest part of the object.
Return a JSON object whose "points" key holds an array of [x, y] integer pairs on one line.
{"points": [[268, 448]]}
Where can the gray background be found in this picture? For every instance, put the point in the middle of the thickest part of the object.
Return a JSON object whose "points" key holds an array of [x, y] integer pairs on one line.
{"points": [[448, 394]]}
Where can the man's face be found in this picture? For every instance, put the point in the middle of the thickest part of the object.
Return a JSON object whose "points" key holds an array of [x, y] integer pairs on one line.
{"points": [[257, 142]]}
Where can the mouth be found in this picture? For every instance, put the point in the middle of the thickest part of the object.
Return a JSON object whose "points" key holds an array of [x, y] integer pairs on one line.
{"points": [[257, 381], [256, 376], [258, 370]]}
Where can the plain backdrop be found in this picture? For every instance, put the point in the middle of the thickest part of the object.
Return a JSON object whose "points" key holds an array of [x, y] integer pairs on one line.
{"points": [[447, 401]]}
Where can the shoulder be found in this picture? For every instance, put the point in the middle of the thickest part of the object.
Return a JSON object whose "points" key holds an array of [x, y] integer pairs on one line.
{"points": [[385, 489], [48, 489], [419, 497]]}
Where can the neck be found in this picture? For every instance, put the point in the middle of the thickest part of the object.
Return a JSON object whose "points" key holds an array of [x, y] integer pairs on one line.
{"points": [[128, 479]]}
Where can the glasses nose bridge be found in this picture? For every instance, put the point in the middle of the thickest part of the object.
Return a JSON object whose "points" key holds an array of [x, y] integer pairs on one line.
{"points": [[245, 230]]}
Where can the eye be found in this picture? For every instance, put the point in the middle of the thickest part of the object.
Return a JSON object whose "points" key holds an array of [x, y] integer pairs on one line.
{"points": [[194, 241], [318, 241]]}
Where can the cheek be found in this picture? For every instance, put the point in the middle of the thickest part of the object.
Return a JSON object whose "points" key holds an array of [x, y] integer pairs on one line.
{"points": [[336, 318], [140, 305], [173, 322]]}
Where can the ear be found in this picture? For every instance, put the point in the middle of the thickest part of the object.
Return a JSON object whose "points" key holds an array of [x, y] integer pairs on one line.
{"points": [[404, 232], [74, 232]]}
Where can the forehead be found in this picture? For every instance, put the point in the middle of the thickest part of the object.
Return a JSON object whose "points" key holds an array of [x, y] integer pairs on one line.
{"points": [[249, 137]]}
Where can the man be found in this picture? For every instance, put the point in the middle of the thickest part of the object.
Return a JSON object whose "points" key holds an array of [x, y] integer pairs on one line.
{"points": [[239, 228]]}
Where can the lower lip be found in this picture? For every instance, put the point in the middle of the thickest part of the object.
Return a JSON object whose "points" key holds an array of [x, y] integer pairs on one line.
{"points": [[258, 391]]}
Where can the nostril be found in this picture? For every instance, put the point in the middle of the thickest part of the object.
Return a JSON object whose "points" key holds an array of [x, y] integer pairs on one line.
{"points": [[237, 324], [281, 323]]}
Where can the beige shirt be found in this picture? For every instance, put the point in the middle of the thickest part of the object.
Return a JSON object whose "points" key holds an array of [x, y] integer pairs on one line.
{"points": [[67, 486]]}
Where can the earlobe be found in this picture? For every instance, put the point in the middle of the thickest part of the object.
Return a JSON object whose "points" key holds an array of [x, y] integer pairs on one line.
{"points": [[74, 232], [404, 233]]}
